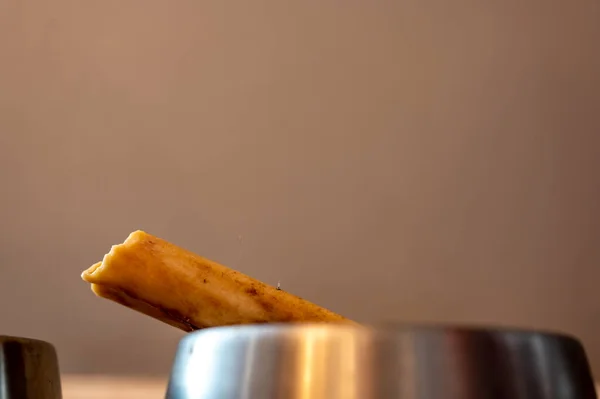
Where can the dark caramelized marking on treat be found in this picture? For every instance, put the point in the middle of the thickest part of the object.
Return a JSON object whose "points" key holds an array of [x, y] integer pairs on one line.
{"points": [[252, 291], [266, 305], [170, 313], [175, 315]]}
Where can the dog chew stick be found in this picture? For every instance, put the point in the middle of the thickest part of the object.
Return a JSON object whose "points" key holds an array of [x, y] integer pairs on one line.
{"points": [[187, 291]]}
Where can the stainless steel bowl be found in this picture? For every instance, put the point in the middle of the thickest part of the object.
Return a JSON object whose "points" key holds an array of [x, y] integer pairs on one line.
{"points": [[347, 362], [28, 369]]}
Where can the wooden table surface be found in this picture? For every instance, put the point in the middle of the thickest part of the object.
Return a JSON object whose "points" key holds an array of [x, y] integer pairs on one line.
{"points": [[104, 387]]}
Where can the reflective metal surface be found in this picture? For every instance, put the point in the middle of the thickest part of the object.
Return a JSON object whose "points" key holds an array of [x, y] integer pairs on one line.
{"points": [[347, 362], [28, 369]]}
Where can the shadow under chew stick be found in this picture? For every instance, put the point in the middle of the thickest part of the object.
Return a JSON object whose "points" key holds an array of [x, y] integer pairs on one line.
{"points": [[187, 291]]}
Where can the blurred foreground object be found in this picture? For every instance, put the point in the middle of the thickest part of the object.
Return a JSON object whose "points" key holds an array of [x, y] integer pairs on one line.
{"points": [[187, 291], [28, 369], [343, 362]]}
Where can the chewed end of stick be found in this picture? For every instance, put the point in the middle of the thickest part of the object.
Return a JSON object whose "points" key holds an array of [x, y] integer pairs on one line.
{"points": [[92, 274], [88, 275]]}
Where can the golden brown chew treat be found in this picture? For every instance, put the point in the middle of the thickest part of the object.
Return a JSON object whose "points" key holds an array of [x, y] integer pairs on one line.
{"points": [[187, 291]]}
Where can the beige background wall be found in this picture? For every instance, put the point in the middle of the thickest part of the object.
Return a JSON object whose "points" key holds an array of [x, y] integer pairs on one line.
{"points": [[411, 160]]}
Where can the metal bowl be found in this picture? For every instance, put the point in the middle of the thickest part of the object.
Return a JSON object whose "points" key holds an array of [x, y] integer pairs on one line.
{"points": [[325, 361], [28, 369]]}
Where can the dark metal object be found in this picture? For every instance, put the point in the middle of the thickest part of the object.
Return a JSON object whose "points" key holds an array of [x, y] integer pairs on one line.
{"points": [[348, 362], [28, 369]]}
